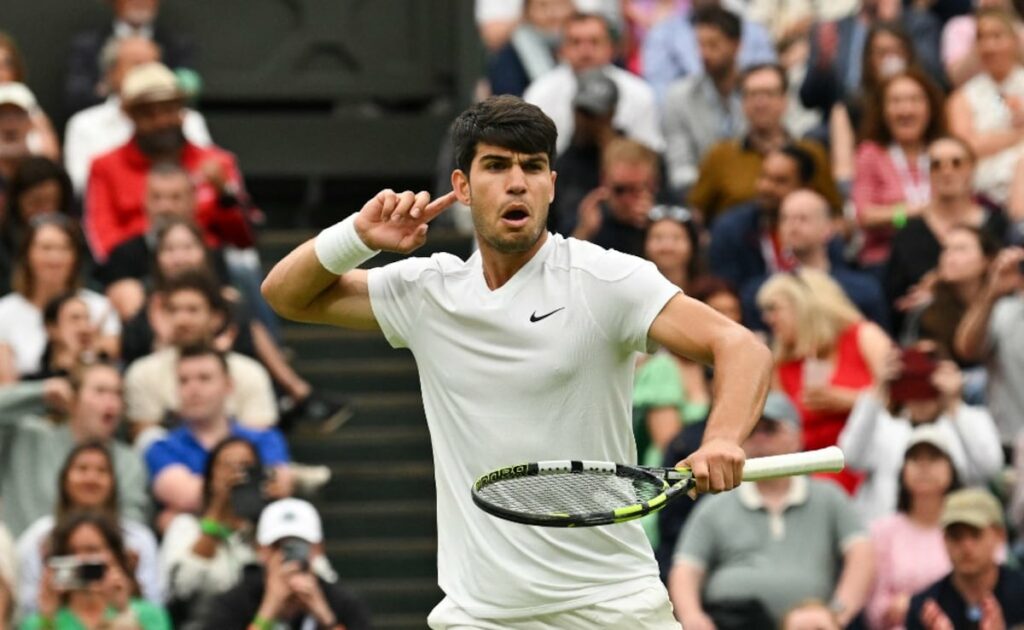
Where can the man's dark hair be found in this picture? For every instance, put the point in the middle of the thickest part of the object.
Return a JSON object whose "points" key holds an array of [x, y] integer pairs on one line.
{"points": [[199, 281], [504, 121], [718, 18], [586, 16], [804, 161], [758, 67], [198, 350]]}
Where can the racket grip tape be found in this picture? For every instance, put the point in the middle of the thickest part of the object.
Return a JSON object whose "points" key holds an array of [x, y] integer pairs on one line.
{"points": [[828, 459]]}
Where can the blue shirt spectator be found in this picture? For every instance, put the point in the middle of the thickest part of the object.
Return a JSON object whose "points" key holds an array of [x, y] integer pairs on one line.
{"points": [[671, 52]]}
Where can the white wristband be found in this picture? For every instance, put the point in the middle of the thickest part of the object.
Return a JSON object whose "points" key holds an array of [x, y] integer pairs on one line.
{"points": [[339, 248]]}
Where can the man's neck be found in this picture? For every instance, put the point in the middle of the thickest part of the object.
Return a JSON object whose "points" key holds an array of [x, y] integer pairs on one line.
{"points": [[974, 588], [210, 432], [816, 258], [79, 435], [725, 84], [774, 491], [43, 293], [765, 140], [499, 267], [951, 207]]}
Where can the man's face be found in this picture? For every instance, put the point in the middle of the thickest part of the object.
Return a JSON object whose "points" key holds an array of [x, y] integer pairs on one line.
{"points": [[548, 15], [131, 52], [778, 178], [170, 196], [158, 126], [972, 550], [136, 12], [950, 169], [509, 194], [98, 405], [764, 100], [717, 51], [587, 44], [191, 319], [803, 223], [73, 328], [633, 187], [771, 437], [203, 388]]}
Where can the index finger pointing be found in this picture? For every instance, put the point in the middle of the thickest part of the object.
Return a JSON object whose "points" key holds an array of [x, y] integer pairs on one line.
{"points": [[438, 206]]}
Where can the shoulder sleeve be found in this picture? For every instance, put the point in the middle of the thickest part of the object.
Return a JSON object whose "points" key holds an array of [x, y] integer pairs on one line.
{"points": [[131, 484], [158, 457], [625, 294], [847, 524], [141, 402], [273, 448], [256, 405], [151, 616], [396, 297], [349, 609]]}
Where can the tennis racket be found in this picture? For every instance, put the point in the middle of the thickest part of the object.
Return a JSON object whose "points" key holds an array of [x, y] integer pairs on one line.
{"points": [[587, 493]]}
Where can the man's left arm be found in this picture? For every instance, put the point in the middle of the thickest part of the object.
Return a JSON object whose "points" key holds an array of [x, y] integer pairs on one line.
{"points": [[743, 369]]}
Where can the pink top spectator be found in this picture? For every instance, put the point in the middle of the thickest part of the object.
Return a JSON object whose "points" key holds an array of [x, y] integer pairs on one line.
{"points": [[878, 182], [908, 558]]}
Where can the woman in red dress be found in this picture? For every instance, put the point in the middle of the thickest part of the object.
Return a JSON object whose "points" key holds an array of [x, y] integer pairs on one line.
{"points": [[825, 353]]}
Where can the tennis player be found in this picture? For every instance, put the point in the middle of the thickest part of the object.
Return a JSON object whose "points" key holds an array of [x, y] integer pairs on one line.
{"points": [[525, 352]]}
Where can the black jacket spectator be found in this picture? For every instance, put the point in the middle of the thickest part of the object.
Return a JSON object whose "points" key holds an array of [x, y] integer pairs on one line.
{"points": [[1009, 592], [235, 609]]}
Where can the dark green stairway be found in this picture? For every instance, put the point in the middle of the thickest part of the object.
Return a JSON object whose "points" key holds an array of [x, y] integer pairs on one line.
{"points": [[378, 509]]}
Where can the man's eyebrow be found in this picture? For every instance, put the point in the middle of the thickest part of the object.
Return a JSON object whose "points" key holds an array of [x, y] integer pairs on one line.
{"points": [[494, 157]]}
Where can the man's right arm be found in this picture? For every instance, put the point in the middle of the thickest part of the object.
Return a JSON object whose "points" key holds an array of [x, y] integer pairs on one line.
{"points": [[300, 288]]}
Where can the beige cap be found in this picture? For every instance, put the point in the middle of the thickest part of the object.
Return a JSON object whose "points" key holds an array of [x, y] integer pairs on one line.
{"points": [[19, 95], [150, 83], [972, 506]]}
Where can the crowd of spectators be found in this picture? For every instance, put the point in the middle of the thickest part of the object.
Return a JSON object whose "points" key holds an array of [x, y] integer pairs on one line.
{"points": [[145, 396], [844, 178]]}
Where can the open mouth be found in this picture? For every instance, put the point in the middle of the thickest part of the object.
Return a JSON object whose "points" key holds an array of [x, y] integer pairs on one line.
{"points": [[515, 215]]}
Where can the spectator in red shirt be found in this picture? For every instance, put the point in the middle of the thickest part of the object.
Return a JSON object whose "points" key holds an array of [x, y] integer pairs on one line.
{"points": [[116, 189]]}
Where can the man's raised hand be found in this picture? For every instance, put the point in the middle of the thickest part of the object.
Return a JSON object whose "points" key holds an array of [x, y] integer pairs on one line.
{"points": [[397, 222]]}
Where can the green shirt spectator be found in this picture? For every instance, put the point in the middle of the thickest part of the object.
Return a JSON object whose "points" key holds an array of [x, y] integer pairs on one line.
{"points": [[148, 616]]}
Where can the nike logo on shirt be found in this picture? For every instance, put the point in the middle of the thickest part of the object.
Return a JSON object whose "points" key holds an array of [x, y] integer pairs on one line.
{"points": [[534, 318]]}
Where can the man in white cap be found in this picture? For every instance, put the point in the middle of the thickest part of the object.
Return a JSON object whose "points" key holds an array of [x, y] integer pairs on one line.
{"points": [[979, 592], [116, 189], [290, 589], [771, 544]]}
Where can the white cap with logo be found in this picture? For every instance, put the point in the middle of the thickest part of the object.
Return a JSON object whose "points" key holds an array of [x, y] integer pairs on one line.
{"points": [[289, 518]]}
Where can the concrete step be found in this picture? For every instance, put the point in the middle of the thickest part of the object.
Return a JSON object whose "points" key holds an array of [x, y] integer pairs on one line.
{"points": [[387, 409], [357, 559], [366, 444], [409, 598], [401, 622], [348, 376], [385, 519], [308, 341], [381, 481]]}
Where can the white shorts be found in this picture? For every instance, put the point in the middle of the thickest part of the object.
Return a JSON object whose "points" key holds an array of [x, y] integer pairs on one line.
{"points": [[649, 609]]}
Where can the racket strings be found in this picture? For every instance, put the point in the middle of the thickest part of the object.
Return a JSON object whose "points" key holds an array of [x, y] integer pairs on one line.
{"points": [[569, 493]]}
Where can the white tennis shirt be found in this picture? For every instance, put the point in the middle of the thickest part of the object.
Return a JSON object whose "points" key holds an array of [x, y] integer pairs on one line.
{"points": [[541, 368]]}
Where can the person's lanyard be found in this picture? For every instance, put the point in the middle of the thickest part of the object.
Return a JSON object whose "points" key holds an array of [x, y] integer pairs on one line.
{"points": [[917, 193]]}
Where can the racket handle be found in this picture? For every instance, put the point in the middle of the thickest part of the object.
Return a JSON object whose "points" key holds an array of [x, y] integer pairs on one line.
{"points": [[822, 460]]}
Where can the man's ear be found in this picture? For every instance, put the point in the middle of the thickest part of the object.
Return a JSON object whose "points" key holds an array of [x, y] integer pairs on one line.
{"points": [[554, 177], [460, 184]]}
